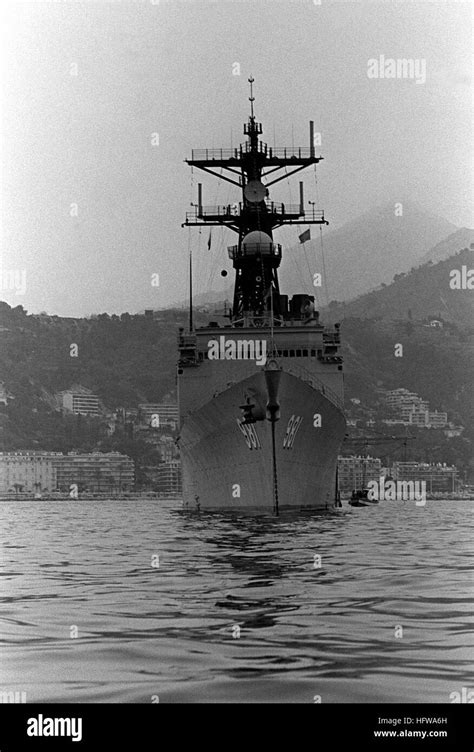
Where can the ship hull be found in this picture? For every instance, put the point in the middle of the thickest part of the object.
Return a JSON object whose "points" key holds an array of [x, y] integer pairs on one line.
{"points": [[229, 466]]}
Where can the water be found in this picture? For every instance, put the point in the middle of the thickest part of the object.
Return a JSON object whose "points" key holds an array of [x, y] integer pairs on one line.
{"points": [[146, 631]]}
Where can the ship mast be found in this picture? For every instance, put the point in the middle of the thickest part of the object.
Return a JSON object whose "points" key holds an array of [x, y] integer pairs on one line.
{"points": [[255, 257]]}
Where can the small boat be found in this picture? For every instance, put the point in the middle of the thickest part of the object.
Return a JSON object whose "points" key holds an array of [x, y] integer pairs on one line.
{"points": [[360, 498]]}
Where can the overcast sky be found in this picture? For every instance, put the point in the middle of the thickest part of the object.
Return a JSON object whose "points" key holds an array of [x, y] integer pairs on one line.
{"points": [[93, 208]]}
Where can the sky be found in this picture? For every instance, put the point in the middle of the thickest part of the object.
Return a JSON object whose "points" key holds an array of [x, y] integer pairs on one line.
{"points": [[103, 101]]}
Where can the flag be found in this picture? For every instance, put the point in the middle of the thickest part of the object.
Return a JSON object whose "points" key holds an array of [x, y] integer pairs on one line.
{"points": [[305, 236], [209, 240]]}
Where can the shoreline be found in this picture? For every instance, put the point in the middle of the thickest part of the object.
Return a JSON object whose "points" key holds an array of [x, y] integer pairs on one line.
{"points": [[156, 496], [89, 496]]}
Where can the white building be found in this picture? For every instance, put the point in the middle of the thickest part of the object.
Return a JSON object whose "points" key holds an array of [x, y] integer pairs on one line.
{"points": [[355, 472], [80, 401], [157, 415], [438, 477], [95, 471], [169, 477], [437, 420], [27, 472], [413, 410]]}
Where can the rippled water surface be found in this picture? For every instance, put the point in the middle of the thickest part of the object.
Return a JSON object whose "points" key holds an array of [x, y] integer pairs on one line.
{"points": [[170, 631]]}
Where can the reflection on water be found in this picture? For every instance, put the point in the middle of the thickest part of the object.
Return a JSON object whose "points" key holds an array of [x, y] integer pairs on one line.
{"points": [[386, 617]]}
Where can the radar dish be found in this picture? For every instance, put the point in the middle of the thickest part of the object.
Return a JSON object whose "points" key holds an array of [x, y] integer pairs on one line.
{"points": [[255, 191]]}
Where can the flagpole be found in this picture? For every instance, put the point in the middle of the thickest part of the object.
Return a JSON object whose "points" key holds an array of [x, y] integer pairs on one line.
{"points": [[190, 290]]}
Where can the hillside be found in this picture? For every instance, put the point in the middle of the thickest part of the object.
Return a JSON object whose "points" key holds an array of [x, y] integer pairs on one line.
{"points": [[131, 359], [425, 292], [462, 238], [124, 360], [436, 364], [366, 252]]}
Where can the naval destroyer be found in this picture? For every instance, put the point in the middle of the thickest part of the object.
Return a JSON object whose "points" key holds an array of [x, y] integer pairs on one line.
{"points": [[260, 398]]}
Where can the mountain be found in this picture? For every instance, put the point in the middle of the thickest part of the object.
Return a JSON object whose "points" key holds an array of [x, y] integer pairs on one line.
{"points": [[365, 252], [422, 293], [462, 238]]}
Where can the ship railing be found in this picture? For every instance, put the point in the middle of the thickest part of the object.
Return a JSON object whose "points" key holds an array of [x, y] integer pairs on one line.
{"points": [[316, 216], [305, 375], [258, 321], [331, 334], [235, 210], [331, 337], [187, 341], [275, 207], [252, 249], [201, 212], [207, 155], [283, 152]]}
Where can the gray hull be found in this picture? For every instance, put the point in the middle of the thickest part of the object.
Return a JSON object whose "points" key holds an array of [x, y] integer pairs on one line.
{"points": [[227, 466]]}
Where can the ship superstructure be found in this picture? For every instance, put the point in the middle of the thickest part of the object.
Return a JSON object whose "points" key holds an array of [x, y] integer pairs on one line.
{"points": [[261, 398]]}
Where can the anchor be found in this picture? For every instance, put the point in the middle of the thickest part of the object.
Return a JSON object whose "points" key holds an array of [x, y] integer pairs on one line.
{"points": [[253, 409]]}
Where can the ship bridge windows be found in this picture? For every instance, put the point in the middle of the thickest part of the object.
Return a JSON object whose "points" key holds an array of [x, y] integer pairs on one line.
{"points": [[296, 353], [300, 353]]}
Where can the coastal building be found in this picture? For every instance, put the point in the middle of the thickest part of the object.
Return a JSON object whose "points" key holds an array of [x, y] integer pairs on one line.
{"points": [[158, 415], [438, 477], [169, 477], [411, 409], [417, 416], [355, 472], [453, 431], [402, 400], [45, 472], [437, 420], [97, 472], [27, 472], [80, 401], [167, 448], [426, 419], [150, 474]]}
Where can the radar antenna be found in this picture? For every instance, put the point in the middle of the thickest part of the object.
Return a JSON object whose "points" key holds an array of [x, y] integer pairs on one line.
{"points": [[251, 97]]}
